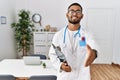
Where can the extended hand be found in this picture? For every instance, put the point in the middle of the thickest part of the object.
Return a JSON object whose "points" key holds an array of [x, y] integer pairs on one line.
{"points": [[66, 67], [91, 55]]}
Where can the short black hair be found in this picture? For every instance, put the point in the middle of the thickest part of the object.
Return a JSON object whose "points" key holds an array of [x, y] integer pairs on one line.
{"points": [[75, 4]]}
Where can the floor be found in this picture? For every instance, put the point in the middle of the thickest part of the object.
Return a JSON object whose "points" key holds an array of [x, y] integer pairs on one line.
{"points": [[105, 72]]}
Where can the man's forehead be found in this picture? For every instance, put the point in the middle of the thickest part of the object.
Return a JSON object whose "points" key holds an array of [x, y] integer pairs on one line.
{"points": [[74, 7]]}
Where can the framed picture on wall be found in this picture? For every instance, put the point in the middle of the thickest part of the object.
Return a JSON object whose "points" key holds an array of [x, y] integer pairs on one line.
{"points": [[3, 19]]}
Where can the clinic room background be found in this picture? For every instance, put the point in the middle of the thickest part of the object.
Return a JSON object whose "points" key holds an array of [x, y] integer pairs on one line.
{"points": [[101, 18]]}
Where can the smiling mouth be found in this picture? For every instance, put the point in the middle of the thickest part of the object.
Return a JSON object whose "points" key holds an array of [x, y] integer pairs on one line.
{"points": [[74, 18]]}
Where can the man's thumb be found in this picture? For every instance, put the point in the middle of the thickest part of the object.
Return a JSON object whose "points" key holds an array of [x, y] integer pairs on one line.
{"points": [[88, 47]]}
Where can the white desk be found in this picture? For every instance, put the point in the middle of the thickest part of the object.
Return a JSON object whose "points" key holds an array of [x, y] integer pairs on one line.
{"points": [[17, 68]]}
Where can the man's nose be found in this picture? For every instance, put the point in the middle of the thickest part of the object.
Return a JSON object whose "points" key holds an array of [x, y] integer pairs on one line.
{"points": [[74, 13]]}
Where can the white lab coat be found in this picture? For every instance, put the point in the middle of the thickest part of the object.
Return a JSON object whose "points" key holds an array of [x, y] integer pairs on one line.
{"points": [[75, 57]]}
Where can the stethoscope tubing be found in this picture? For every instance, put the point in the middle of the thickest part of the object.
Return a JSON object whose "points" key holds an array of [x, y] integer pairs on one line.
{"points": [[78, 33]]}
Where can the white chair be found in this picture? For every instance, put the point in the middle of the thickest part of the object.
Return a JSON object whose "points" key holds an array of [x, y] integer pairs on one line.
{"points": [[7, 77], [47, 77]]}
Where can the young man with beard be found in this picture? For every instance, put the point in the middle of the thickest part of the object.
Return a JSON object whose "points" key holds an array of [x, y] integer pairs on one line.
{"points": [[77, 46]]}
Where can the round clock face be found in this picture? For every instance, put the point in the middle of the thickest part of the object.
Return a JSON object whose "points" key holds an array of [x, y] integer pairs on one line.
{"points": [[36, 18]]}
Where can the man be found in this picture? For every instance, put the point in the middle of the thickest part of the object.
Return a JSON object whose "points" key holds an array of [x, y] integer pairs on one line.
{"points": [[77, 46]]}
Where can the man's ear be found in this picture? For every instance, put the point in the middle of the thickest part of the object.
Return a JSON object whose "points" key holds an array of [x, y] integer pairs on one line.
{"points": [[82, 16], [67, 14]]}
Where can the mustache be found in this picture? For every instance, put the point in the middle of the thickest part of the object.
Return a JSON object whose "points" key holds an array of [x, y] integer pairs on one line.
{"points": [[74, 22], [74, 16]]}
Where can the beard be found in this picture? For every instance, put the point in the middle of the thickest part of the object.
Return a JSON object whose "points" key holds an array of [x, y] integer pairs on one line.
{"points": [[74, 22]]}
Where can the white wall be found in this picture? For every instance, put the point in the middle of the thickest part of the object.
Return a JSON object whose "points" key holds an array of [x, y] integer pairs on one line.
{"points": [[114, 6], [53, 12], [116, 42], [7, 43]]}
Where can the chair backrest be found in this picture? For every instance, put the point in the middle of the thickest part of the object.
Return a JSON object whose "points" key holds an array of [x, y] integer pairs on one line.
{"points": [[47, 77], [40, 55], [7, 77]]}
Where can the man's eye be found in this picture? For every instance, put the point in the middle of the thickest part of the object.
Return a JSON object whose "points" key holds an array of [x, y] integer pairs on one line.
{"points": [[72, 11]]}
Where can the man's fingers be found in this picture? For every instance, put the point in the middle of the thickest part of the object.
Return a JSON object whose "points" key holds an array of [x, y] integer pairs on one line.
{"points": [[87, 62], [88, 57], [68, 68], [88, 47], [65, 67], [66, 64]]}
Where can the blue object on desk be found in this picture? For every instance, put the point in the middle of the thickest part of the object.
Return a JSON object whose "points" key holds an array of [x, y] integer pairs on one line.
{"points": [[40, 55], [48, 77], [7, 77]]}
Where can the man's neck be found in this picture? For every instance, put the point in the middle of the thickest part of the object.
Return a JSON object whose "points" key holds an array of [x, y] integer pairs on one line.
{"points": [[73, 27]]}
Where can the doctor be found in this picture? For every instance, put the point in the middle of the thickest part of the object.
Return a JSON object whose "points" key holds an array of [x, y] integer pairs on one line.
{"points": [[76, 44]]}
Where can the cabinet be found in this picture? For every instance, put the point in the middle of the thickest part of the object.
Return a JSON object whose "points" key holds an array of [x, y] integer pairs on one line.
{"points": [[42, 42]]}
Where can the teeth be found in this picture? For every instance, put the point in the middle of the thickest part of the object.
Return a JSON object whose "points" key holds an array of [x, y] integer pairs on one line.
{"points": [[74, 17]]}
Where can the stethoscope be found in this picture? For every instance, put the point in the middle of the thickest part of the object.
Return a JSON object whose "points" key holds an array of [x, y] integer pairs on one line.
{"points": [[64, 38]]}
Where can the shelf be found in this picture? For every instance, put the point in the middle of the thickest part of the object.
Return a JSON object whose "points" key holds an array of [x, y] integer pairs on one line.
{"points": [[42, 42]]}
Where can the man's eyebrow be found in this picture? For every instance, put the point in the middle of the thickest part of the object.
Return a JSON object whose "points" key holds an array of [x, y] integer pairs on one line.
{"points": [[74, 10]]}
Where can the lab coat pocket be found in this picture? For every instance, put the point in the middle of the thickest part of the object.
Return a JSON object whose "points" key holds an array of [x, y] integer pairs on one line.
{"points": [[81, 56]]}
